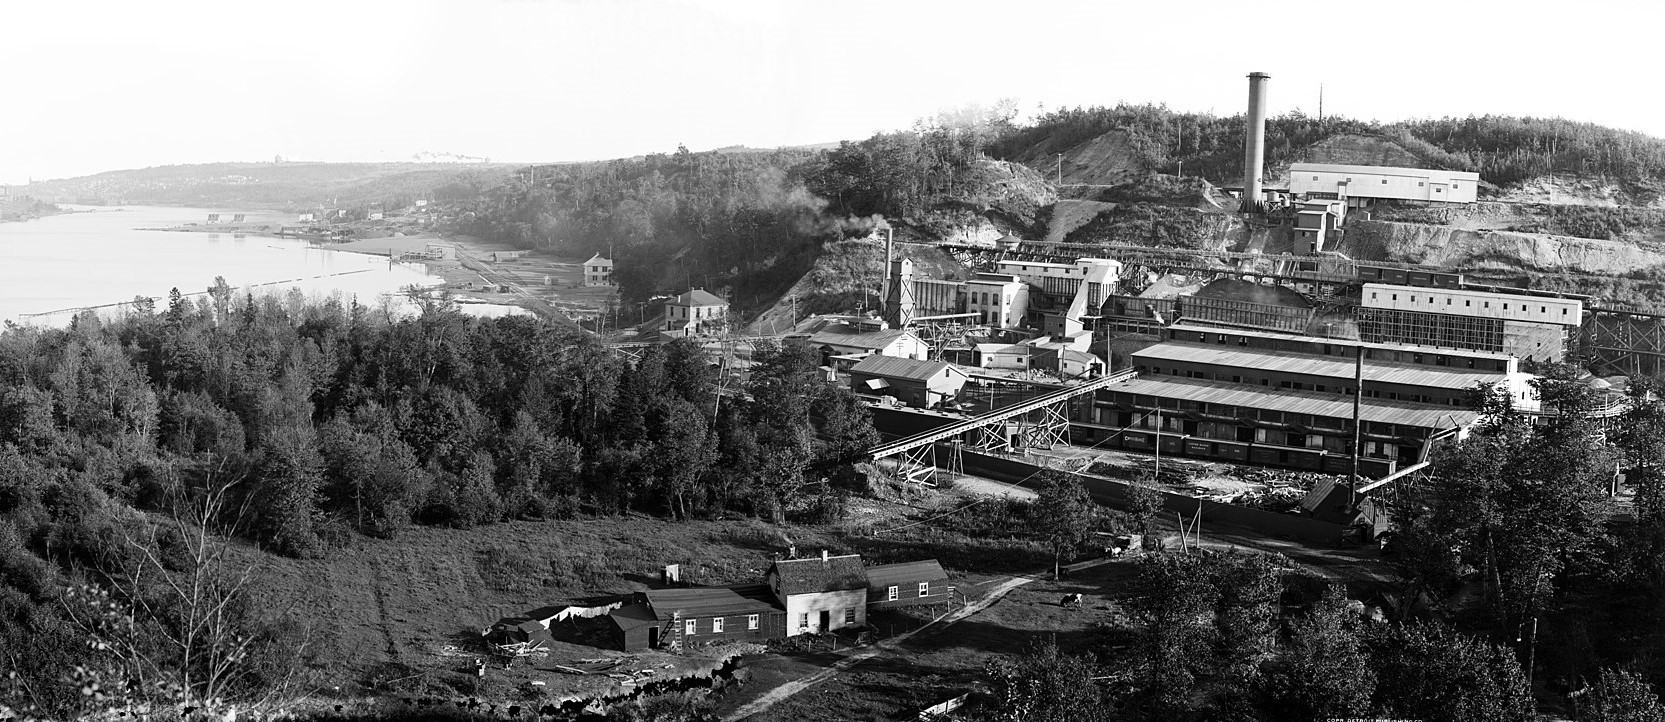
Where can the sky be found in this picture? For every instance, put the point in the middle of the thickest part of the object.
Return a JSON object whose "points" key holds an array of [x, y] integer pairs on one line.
{"points": [[94, 86]]}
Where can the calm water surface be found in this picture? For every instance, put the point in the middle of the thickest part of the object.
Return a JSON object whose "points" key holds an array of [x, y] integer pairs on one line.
{"points": [[99, 257]]}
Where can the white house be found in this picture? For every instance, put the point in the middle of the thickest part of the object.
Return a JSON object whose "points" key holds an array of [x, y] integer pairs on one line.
{"points": [[820, 594], [598, 271], [694, 312]]}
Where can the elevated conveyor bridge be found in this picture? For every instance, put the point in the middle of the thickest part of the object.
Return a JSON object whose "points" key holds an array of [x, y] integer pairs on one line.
{"points": [[1040, 422]]}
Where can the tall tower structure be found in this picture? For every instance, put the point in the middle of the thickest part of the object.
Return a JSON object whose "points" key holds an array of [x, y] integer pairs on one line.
{"points": [[899, 298], [1254, 142]]}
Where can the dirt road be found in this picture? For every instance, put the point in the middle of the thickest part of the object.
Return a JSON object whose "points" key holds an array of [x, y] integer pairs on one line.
{"points": [[994, 594]]}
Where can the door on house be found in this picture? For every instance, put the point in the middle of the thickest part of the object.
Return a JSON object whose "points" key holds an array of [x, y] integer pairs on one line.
{"points": [[826, 620], [653, 637]]}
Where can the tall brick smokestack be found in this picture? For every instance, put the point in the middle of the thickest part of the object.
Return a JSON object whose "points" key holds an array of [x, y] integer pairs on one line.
{"points": [[1254, 142]]}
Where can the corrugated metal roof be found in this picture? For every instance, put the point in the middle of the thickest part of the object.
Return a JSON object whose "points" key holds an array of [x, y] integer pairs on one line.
{"points": [[1190, 328], [847, 336], [900, 368], [1338, 406], [814, 575], [1337, 367], [885, 575], [711, 601], [1379, 170], [698, 297]]}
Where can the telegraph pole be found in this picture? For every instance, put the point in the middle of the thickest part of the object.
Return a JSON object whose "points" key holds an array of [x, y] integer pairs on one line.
{"points": [[1358, 422], [1060, 169]]}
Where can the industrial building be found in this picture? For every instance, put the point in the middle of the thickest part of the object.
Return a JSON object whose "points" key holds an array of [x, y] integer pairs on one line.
{"points": [[921, 384], [1344, 182]]}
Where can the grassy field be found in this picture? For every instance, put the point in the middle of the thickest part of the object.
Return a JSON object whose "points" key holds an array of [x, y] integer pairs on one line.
{"points": [[417, 604]]}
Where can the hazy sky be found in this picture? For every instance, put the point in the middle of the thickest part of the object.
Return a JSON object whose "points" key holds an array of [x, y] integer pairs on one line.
{"points": [[91, 86]]}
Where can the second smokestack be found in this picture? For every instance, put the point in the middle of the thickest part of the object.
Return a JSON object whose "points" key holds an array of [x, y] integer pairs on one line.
{"points": [[1254, 142]]}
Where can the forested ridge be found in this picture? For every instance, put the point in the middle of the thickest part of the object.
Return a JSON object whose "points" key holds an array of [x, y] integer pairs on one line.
{"points": [[1504, 150]]}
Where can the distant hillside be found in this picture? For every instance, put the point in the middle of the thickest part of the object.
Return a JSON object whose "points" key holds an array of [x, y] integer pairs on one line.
{"points": [[1102, 145], [279, 185]]}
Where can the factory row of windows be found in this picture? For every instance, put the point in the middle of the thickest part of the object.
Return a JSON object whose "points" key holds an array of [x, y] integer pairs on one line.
{"points": [[1374, 354], [1267, 416], [1469, 303], [1335, 443], [1384, 182]]}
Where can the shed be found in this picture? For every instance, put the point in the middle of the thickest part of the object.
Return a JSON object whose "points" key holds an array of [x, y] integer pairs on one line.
{"points": [[634, 627], [917, 582], [923, 384]]}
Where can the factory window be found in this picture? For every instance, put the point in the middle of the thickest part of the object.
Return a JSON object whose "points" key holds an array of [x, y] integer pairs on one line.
{"points": [[1439, 190], [1505, 306], [1242, 340], [1563, 312], [1542, 309], [1315, 177], [1468, 303], [1420, 184], [1447, 301], [751, 621], [717, 625], [1372, 295], [1384, 181], [1395, 296], [1488, 304]]}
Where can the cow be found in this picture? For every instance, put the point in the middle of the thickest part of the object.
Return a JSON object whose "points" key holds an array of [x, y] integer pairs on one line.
{"points": [[1070, 600]]}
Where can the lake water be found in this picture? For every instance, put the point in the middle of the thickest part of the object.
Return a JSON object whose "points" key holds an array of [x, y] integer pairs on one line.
{"points": [[54, 265]]}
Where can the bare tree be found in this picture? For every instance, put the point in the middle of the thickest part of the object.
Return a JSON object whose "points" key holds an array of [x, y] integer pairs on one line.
{"points": [[177, 620]]}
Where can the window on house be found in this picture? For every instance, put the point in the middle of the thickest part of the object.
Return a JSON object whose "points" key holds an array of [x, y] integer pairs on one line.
{"points": [[751, 621], [1315, 177], [1468, 303], [1439, 190], [891, 594], [850, 615], [717, 625], [1505, 306], [1542, 309], [1487, 304], [803, 620], [1420, 184], [1384, 181], [690, 626], [1395, 297], [924, 589]]}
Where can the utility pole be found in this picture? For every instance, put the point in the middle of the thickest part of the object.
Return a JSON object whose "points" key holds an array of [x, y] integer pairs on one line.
{"points": [[1358, 422], [1060, 169], [1159, 440]]}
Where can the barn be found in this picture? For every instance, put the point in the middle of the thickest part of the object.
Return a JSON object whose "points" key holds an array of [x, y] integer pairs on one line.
{"points": [[920, 582]]}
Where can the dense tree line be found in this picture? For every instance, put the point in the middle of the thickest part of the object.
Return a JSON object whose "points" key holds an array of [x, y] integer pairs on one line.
{"points": [[306, 424]]}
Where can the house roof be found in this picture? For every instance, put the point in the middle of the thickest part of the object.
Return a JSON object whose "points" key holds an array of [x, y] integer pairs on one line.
{"points": [[1081, 357], [710, 601], [813, 575], [1339, 367], [885, 575], [891, 367], [851, 338], [697, 297], [1379, 170], [597, 260], [1316, 403], [631, 616]]}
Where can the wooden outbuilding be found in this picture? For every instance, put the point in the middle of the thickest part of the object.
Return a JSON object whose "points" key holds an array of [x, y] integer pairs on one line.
{"points": [[820, 594], [921, 582]]}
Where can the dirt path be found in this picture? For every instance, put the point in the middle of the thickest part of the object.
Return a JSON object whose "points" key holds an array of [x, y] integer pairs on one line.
{"points": [[994, 594]]}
